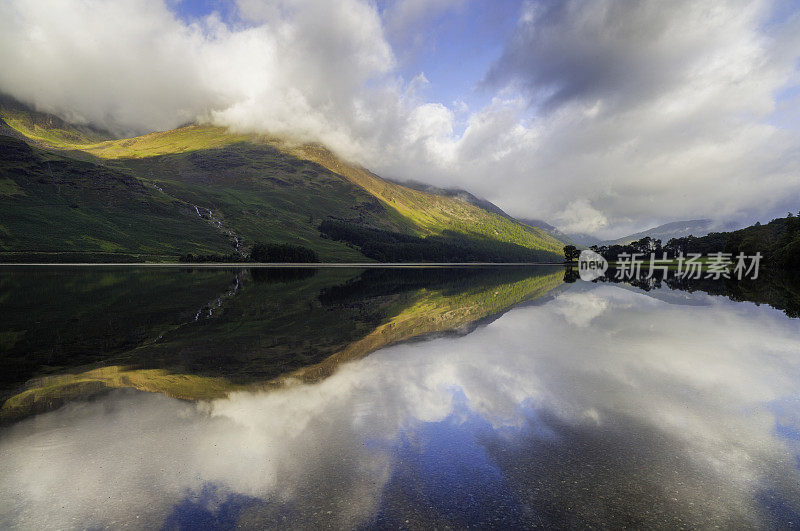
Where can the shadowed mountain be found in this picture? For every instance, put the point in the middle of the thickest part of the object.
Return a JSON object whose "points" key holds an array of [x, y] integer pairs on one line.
{"points": [[52, 206]]}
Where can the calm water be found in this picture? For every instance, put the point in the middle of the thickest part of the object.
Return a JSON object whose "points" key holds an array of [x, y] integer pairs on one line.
{"points": [[411, 398]]}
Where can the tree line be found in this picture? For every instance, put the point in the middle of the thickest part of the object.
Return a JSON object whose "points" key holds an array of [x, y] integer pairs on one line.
{"points": [[260, 252], [778, 242]]}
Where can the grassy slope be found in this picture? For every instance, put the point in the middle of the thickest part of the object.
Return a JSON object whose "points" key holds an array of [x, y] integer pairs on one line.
{"points": [[265, 189], [264, 195], [55, 207], [436, 214], [51, 203]]}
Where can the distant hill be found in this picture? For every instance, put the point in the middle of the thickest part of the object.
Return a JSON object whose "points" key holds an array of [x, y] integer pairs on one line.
{"points": [[667, 231], [571, 239], [778, 242], [73, 190]]}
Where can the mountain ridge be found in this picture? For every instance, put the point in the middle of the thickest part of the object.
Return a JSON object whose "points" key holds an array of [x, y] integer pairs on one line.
{"points": [[664, 232], [245, 187], [667, 231]]}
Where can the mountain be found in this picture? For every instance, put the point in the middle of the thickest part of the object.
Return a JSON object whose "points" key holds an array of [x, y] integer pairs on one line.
{"points": [[462, 195], [583, 240], [665, 232], [70, 192], [455, 193], [675, 229]]}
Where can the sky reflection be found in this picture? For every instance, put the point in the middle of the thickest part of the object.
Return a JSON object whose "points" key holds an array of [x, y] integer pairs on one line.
{"points": [[604, 405]]}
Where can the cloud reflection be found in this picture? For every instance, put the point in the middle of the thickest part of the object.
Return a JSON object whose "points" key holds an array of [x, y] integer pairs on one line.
{"points": [[634, 400]]}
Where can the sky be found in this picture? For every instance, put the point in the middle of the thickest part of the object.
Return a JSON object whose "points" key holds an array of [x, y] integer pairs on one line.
{"points": [[598, 116]]}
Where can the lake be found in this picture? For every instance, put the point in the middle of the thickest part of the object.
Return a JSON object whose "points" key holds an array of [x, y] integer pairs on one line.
{"points": [[178, 397]]}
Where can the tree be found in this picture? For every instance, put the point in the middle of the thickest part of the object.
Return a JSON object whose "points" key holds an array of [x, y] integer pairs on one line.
{"points": [[273, 253], [571, 253]]}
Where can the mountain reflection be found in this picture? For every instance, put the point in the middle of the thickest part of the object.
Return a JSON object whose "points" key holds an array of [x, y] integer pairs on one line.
{"points": [[603, 406], [200, 334]]}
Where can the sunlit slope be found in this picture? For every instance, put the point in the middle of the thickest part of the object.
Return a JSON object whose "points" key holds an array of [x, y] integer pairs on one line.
{"points": [[46, 128], [422, 212], [435, 214], [181, 140]]}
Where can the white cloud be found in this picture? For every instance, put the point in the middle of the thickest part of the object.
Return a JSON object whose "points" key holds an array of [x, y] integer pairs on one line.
{"points": [[126, 65], [652, 112], [580, 216]]}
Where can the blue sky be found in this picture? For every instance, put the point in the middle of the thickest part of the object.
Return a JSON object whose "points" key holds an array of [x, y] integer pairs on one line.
{"points": [[453, 49], [191, 10], [457, 49]]}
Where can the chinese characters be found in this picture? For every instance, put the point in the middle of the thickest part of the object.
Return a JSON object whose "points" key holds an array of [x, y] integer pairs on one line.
{"points": [[713, 266]]}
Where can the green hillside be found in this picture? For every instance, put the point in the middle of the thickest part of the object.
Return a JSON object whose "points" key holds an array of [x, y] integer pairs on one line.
{"points": [[201, 189], [54, 204]]}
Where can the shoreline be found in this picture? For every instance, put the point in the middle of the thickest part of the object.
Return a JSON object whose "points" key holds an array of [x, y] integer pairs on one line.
{"points": [[281, 264]]}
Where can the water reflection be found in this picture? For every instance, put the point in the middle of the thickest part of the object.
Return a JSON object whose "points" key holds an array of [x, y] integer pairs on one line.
{"points": [[602, 406], [234, 329]]}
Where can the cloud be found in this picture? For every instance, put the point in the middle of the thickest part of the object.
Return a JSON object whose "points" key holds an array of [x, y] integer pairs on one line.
{"points": [[580, 309], [625, 54], [580, 216], [290, 66], [647, 113], [302, 70], [126, 65]]}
